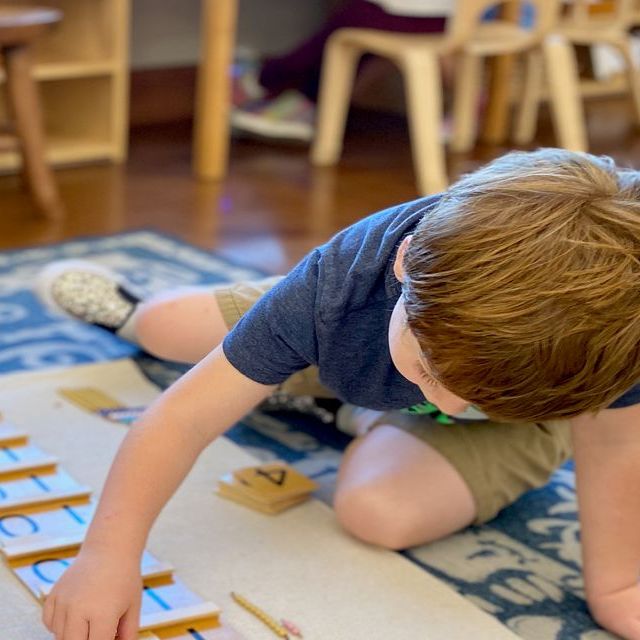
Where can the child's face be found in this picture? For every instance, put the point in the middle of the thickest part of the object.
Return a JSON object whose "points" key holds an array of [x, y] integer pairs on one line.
{"points": [[407, 355], [408, 360]]}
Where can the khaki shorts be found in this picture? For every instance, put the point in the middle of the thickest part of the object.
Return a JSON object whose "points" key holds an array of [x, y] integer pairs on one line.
{"points": [[498, 461]]}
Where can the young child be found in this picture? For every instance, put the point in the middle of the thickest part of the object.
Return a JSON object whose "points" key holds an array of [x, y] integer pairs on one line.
{"points": [[516, 291]]}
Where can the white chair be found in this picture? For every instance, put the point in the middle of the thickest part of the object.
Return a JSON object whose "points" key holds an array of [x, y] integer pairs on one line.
{"points": [[417, 56], [587, 22]]}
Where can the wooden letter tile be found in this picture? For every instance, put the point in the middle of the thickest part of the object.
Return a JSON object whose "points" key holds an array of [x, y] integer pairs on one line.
{"points": [[43, 528], [14, 459], [167, 602], [39, 573], [26, 488]]}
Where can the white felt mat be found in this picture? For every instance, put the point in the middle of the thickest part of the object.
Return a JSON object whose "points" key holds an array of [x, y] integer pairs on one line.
{"points": [[297, 565]]}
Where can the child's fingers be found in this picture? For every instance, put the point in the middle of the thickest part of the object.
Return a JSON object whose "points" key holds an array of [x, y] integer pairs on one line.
{"points": [[103, 628], [47, 612], [76, 628], [59, 618], [129, 624]]}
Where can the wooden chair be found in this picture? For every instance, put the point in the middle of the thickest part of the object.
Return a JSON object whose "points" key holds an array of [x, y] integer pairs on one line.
{"points": [[587, 22], [417, 56], [20, 27]]}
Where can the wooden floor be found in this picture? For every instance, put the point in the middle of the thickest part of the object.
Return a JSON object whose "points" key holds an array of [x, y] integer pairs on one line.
{"points": [[274, 206]]}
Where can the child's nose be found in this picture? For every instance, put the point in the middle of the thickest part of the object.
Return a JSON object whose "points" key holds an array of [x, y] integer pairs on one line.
{"points": [[454, 406]]}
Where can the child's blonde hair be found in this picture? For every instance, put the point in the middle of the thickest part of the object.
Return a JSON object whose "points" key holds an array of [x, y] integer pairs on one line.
{"points": [[522, 285]]}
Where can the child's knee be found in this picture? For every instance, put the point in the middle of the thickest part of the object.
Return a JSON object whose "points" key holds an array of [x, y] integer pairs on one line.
{"points": [[367, 513]]}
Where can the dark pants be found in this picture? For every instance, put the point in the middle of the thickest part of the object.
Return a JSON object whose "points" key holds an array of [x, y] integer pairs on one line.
{"points": [[300, 69]]}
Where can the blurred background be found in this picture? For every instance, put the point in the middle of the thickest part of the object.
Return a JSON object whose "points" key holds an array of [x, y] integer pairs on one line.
{"points": [[117, 82]]}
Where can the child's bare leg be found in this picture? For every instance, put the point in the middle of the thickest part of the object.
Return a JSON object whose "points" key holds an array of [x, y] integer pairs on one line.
{"points": [[182, 325], [397, 491], [411, 480]]}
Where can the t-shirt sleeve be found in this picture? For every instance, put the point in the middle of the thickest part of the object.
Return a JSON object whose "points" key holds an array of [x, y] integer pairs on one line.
{"points": [[277, 336], [627, 399]]}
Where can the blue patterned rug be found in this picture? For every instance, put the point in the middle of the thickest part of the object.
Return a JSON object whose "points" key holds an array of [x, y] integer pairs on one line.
{"points": [[523, 567]]}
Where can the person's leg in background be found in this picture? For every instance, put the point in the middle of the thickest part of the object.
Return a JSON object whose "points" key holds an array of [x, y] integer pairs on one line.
{"points": [[290, 82], [300, 69]]}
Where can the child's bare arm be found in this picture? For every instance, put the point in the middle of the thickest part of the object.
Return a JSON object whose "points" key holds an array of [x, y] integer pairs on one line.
{"points": [[607, 454], [101, 590]]}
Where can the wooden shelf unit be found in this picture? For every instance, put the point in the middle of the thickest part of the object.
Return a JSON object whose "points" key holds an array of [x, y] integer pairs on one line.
{"points": [[82, 68]]}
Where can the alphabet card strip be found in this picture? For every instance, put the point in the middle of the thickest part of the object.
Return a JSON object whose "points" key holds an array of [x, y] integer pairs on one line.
{"points": [[44, 515], [167, 602], [25, 488], [40, 572], [23, 458], [10, 436], [210, 629], [44, 528]]}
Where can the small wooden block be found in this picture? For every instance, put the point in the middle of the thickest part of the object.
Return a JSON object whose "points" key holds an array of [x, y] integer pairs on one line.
{"points": [[89, 398], [267, 488], [228, 492], [272, 482]]}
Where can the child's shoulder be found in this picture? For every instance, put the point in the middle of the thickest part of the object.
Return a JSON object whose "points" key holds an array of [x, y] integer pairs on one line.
{"points": [[376, 231], [356, 266]]}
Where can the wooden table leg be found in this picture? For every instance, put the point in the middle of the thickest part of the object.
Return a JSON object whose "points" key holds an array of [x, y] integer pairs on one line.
{"points": [[211, 126], [495, 128]]}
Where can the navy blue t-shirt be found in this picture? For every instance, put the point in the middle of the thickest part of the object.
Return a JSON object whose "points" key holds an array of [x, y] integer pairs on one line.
{"points": [[333, 311]]}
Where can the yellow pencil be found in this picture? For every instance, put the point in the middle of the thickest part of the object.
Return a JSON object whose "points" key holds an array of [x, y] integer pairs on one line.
{"points": [[262, 615]]}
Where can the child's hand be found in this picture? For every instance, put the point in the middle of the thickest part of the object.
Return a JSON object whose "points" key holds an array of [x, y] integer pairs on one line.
{"points": [[96, 598], [619, 612]]}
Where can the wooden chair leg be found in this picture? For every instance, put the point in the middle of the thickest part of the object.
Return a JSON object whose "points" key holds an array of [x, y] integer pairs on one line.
{"points": [[633, 78], [564, 92], [423, 86], [211, 122], [336, 84], [25, 109], [468, 80], [527, 116]]}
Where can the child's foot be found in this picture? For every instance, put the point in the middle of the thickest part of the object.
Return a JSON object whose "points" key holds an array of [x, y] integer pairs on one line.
{"points": [[245, 86], [290, 116], [87, 292]]}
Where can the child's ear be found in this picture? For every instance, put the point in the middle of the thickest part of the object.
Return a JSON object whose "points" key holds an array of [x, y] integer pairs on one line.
{"points": [[398, 265]]}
